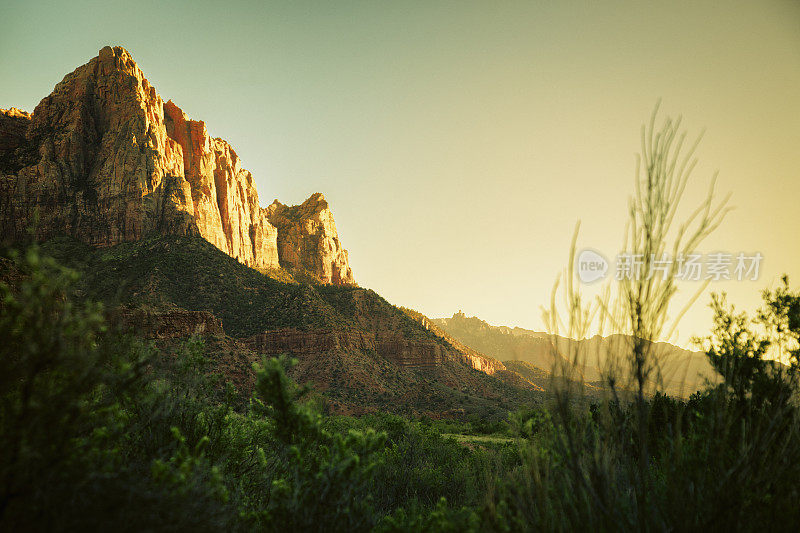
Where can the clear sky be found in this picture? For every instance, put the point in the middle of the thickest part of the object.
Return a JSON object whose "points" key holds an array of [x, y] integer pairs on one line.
{"points": [[459, 142]]}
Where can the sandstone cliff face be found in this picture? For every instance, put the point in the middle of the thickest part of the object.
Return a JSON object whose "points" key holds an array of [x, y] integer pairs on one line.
{"points": [[308, 241], [106, 170], [226, 207], [105, 160]]}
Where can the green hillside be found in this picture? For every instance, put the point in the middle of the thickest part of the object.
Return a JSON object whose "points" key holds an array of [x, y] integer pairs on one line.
{"points": [[190, 273]]}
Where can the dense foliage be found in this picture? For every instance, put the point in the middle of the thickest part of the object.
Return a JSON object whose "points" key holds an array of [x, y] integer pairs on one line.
{"points": [[101, 431]]}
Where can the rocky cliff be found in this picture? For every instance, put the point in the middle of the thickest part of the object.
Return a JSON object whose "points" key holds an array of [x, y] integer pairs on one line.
{"points": [[307, 240], [104, 159], [170, 324], [390, 345]]}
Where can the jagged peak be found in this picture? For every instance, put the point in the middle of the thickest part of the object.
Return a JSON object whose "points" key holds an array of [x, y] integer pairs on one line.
{"points": [[316, 202], [174, 110], [15, 112], [176, 115], [313, 205], [317, 197], [110, 53], [117, 58], [109, 61]]}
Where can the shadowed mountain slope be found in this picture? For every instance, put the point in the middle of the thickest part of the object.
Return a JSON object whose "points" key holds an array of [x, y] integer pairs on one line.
{"points": [[360, 352]]}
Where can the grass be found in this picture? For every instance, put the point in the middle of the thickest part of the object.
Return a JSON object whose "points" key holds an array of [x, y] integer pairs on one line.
{"points": [[479, 439]]}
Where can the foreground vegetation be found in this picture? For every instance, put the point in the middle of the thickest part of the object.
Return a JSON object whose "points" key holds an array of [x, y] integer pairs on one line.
{"points": [[100, 430]]}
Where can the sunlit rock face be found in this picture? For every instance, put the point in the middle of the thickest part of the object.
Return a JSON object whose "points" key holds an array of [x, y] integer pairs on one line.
{"points": [[224, 197], [105, 160], [307, 240]]}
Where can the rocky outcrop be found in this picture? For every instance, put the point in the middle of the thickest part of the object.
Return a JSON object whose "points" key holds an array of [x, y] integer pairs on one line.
{"points": [[404, 352], [106, 170], [481, 363], [308, 241], [105, 160], [169, 324], [296, 341], [387, 344], [13, 125]]}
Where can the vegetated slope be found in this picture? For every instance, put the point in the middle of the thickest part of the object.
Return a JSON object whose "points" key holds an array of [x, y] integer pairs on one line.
{"points": [[185, 272], [678, 371], [359, 351], [531, 372]]}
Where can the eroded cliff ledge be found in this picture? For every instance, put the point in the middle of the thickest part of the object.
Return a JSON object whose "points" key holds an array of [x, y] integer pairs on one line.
{"points": [[308, 241], [104, 159]]}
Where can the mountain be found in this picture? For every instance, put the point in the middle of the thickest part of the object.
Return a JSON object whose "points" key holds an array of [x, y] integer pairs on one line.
{"points": [[105, 160], [678, 371], [166, 229], [500, 342]]}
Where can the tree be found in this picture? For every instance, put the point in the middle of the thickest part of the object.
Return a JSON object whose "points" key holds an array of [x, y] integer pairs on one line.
{"points": [[61, 381]]}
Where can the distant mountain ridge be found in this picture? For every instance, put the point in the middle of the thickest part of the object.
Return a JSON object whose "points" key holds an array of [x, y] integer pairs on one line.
{"points": [[679, 371], [105, 160]]}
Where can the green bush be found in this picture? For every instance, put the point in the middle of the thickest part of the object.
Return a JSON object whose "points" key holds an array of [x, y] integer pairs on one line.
{"points": [[321, 480]]}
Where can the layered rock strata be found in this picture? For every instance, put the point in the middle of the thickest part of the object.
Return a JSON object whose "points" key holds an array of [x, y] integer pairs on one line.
{"points": [[175, 323], [389, 345]]}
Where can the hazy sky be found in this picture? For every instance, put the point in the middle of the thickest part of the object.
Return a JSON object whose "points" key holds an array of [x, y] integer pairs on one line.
{"points": [[458, 143]]}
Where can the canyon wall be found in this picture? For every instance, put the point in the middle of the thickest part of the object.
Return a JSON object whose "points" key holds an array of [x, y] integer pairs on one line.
{"points": [[462, 352]]}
